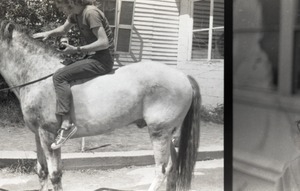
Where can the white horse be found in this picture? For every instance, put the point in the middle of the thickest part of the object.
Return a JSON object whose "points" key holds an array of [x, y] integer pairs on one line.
{"points": [[146, 93]]}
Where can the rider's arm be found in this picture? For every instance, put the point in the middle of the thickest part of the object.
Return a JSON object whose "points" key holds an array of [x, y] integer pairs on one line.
{"points": [[100, 44], [61, 30], [93, 19]]}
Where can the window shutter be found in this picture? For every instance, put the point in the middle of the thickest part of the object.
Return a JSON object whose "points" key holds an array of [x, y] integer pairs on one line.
{"points": [[124, 26]]}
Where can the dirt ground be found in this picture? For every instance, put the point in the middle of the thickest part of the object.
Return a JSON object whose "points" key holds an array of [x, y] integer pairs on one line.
{"points": [[208, 176], [125, 139]]}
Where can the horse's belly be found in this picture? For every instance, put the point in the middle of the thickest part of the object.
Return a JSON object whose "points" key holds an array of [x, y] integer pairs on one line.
{"points": [[99, 110], [101, 122]]}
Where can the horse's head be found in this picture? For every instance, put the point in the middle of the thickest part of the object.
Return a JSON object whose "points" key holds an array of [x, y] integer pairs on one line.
{"points": [[6, 30], [25, 57], [18, 39]]}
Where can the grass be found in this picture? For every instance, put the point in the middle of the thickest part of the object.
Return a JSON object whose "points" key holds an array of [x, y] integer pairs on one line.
{"points": [[11, 114], [215, 115], [21, 167]]}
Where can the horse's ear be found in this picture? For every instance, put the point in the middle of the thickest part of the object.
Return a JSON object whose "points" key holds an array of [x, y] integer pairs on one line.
{"points": [[8, 31], [2, 27], [10, 27]]}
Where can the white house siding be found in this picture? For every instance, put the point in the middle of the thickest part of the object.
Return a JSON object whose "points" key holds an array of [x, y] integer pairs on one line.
{"points": [[155, 32]]}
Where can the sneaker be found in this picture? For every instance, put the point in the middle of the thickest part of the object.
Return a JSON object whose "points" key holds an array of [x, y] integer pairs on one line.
{"points": [[63, 136], [175, 141]]}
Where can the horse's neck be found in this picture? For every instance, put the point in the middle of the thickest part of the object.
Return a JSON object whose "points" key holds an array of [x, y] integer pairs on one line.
{"points": [[24, 61]]}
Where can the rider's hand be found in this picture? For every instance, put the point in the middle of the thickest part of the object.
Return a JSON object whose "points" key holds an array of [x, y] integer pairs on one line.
{"points": [[69, 48], [43, 35]]}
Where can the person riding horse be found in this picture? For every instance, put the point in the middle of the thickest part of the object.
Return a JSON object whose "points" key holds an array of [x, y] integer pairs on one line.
{"points": [[94, 27], [148, 94]]}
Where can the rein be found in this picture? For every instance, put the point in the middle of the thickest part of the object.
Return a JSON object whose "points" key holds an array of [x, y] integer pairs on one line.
{"points": [[26, 84]]}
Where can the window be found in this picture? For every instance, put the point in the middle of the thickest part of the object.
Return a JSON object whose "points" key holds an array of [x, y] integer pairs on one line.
{"points": [[208, 29], [125, 23], [120, 17]]}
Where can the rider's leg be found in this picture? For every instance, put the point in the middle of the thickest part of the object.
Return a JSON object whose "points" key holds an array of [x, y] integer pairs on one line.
{"points": [[82, 69]]}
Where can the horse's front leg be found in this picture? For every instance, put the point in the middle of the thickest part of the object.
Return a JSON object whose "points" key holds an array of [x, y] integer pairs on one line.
{"points": [[53, 158], [42, 169]]}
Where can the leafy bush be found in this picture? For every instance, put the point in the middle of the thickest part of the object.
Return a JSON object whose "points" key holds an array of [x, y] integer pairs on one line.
{"points": [[22, 166], [36, 16], [32, 14], [215, 115], [11, 114]]}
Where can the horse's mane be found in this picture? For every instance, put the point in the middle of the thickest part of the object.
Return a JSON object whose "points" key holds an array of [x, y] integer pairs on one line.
{"points": [[27, 34]]}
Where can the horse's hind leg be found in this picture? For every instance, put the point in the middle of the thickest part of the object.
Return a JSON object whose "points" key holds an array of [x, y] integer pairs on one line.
{"points": [[172, 175], [161, 139], [42, 169], [53, 158]]}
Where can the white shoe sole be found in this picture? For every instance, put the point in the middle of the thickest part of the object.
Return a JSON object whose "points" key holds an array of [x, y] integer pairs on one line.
{"points": [[55, 146]]}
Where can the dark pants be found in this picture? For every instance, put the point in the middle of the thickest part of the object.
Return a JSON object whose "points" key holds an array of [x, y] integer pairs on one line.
{"points": [[81, 69]]}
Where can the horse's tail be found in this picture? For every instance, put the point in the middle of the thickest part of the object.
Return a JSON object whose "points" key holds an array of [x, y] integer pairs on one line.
{"points": [[189, 140]]}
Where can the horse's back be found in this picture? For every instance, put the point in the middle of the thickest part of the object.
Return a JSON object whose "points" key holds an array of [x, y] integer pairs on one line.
{"points": [[135, 78]]}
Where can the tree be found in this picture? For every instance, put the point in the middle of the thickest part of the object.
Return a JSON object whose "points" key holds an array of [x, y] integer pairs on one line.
{"points": [[36, 16]]}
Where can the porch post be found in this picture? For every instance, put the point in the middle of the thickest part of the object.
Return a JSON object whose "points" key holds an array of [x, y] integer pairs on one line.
{"points": [[185, 31]]}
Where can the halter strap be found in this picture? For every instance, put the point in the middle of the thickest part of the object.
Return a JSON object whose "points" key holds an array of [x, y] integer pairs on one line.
{"points": [[28, 83]]}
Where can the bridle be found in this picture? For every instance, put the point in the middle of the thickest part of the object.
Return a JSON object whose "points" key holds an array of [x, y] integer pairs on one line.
{"points": [[26, 84]]}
